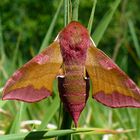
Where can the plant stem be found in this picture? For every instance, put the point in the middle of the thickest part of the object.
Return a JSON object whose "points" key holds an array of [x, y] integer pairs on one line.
{"points": [[66, 11], [75, 5], [66, 124]]}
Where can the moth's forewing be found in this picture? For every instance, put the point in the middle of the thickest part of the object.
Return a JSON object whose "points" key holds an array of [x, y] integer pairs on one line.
{"points": [[111, 86], [34, 80]]}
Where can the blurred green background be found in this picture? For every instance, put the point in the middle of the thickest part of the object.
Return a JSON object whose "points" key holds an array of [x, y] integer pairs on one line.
{"points": [[23, 26]]}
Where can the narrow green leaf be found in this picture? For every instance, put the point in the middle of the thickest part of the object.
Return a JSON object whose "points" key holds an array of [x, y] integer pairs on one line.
{"points": [[138, 124], [66, 12], [75, 5], [2, 103], [1, 89], [98, 33], [130, 119], [15, 54], [50, 30], [70, 12], [134, 37], [3, 58], [16, 124], [54, 133], [118, 115], [2, 52], [51, 110], [91, 16]]}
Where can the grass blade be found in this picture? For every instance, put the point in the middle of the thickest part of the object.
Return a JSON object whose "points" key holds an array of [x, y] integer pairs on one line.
{"points": [[3, 57], [118, 115], [2, 52], [15, 54], [66, 12], [134, 37], [138, 124], [91, 16], [50, 30], [98, 33], [2, 103], [49, 113], [75, 5], [16, 124], [54, 133]]}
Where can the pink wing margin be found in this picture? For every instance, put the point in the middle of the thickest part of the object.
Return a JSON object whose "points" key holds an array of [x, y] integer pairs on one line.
{"points": [[111, 86], [33, 82]]}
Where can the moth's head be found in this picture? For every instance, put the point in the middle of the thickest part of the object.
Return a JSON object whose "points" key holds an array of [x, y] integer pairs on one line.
{"points": [[74, 34]]}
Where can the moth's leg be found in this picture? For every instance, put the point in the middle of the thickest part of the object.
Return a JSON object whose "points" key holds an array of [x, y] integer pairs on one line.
{"points": [[61, 72], [85, 74]]}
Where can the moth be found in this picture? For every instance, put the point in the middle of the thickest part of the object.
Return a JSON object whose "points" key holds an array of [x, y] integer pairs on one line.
{"points": [[74, 60]]}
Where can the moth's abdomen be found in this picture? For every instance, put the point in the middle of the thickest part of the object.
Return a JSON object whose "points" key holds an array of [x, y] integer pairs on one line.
{"points": [[73, 89]]}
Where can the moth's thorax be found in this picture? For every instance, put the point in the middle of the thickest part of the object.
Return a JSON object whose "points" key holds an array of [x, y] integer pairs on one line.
{"points": [[74, 40]]}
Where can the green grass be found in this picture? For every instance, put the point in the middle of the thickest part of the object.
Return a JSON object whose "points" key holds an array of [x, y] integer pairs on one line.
{"points": [[53, 133], [19, 41]]}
